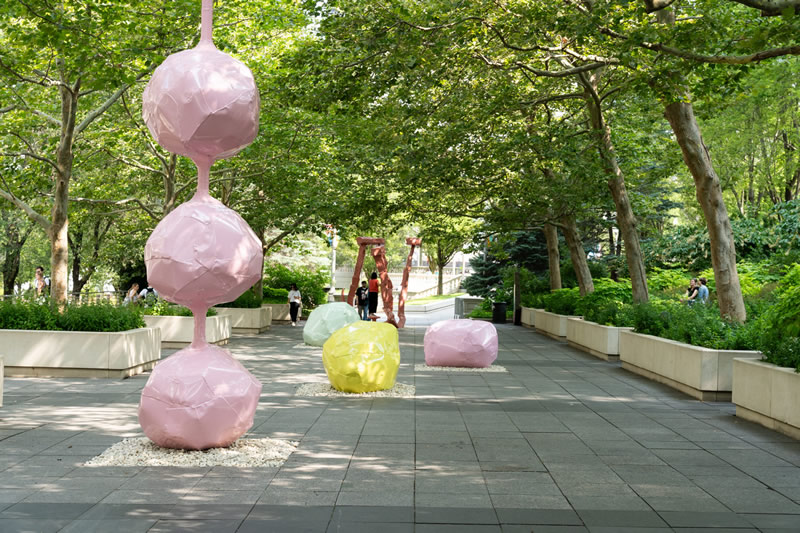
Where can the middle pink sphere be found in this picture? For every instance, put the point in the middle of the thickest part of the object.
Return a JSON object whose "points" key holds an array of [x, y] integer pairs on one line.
{"points": [[202, 254]]}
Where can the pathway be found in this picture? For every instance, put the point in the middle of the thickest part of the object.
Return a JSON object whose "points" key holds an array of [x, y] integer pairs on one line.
{"points": [[563, 442]]}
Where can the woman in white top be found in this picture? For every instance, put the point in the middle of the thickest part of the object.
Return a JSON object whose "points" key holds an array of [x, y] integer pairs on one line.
{"points": [[132, 296], [294, 303]]}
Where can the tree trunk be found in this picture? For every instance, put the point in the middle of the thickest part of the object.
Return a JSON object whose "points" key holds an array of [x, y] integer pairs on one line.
{"points": [[616, 183], [553, 256], [440, 284], [15, 240], [578, 256], [709, 193], [59, 228]]}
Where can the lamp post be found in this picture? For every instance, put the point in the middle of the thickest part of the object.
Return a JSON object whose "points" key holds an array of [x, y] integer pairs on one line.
{"points": [[334, 240]]}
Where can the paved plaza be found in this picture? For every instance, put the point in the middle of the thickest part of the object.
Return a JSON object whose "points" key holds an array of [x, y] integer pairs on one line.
{"points": [[562, 442]]}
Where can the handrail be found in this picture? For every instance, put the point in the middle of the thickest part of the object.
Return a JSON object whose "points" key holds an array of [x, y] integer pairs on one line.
{"points": [[448, 287]]}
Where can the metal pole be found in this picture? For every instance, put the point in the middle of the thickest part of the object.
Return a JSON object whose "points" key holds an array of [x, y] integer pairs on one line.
{"points": [[334, 242]]}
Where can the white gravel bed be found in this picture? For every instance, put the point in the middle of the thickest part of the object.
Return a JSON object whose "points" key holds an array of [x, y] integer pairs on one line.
{"points": [[425, 368], [141, 451], [400, 390]]}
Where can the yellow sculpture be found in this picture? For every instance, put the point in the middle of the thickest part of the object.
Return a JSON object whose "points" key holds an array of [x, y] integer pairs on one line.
{"points": [[362, 357]]}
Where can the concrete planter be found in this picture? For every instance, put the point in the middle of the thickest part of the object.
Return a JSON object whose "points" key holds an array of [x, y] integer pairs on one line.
{"points": [[249, 321], [600, 341], [1, 382], [767, 394], [79, 354], [703, 373], [526, 317], [551, 324], [177, 331], [280, 313]]}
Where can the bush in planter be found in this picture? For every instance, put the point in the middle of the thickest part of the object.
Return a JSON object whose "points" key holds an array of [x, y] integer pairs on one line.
{"points": [[275, 296], [248, 300], [310, 283], [608, 295], [562, 301], [89, 317], [164, 308]]}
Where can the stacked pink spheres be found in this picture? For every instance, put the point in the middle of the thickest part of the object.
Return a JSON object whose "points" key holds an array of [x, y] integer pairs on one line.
{"points": [[203, 104]]}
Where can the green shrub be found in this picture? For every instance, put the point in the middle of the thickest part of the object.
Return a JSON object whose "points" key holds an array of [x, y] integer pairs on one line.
{"points": [[562, 301], [608, 295], [310, 283], [248, 300], [163, 308], [275, 296], [89, 317], [670, 281]]}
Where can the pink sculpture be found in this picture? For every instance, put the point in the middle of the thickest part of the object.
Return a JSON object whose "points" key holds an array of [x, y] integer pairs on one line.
{"points": [[198, 398], [401, 304], [203, 104], [464, 343]]}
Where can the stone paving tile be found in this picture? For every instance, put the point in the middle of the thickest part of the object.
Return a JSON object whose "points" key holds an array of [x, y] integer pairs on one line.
{"points": [[563, 440], [124, 525]]}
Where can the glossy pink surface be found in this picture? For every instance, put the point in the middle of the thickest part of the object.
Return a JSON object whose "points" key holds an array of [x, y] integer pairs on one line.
{"points": [[202, 254], [465, 343], [202, 103], [198, 398]]}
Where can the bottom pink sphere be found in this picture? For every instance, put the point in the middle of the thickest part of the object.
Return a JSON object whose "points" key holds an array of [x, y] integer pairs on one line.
{"points": [[198, 398], [466, 343]]}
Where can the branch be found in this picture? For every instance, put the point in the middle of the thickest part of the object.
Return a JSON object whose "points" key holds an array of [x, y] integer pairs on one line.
{"points": [[556, 98], [769, 8], [28, 210], [33, 156], [652, 6], [546, 73], [441, 26], [724, 60], [111, 99], [144, 208], [720, 60]]}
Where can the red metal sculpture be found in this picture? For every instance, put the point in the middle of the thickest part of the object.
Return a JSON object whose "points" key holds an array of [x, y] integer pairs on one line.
{"points": [[378, 252], [401, 305]]}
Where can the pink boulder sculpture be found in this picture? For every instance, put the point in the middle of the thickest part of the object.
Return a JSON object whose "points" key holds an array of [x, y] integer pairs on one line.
{"points": [[464, 343], [202, 254], [203, 104], [198, 398]]}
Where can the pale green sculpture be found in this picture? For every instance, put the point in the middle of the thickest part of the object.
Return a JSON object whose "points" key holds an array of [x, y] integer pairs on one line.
{"points": [[326, 319]]}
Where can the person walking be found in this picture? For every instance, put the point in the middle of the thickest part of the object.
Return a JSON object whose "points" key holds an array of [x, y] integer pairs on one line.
{"points": [[41, 283], [702, 291], [294, 303], [374, 287], [362, 300]]}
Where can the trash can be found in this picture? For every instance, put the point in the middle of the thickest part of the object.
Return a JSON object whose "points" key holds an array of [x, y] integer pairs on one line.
{"points": [[499, 312]]}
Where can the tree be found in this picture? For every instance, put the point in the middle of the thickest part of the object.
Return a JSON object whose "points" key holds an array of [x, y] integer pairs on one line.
{"points": [[76, 59]]}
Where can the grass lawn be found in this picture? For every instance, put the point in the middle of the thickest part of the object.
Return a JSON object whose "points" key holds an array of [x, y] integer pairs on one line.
{"points": [[429, 299]]}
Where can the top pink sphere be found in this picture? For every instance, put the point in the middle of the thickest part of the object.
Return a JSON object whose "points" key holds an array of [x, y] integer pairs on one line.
{"points": [[202, 103]]}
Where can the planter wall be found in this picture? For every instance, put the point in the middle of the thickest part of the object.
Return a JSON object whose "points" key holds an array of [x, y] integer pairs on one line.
{"points": [[249, 321], [526, 317], [1, 382], [280, 313], [79, 353], [703, 373], [767, 394], [177, 331], [600, 341], [551, 324]]}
